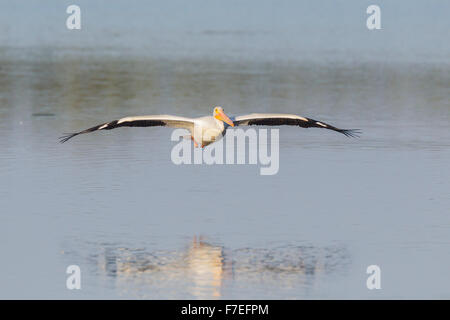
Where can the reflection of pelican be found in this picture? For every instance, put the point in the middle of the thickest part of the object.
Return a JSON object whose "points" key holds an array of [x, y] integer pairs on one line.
{"points": [[202, 270], [206, 130], [206, 267], [202, 267]]}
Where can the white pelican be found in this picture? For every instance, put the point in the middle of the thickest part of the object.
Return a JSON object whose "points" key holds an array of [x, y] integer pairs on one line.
{"points": [[208, 129]]}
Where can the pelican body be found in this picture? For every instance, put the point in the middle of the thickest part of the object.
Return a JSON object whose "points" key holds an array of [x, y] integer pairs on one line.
{"points": [[208, 129]]}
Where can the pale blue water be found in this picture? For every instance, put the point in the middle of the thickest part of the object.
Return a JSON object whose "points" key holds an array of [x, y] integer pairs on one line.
{"points": [[141, 227]]}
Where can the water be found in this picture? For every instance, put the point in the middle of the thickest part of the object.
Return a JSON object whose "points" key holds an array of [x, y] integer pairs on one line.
{"points": [[141, 227]]}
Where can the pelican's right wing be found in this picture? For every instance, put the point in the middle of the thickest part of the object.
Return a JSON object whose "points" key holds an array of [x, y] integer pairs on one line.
{"points": [[139, 121]]}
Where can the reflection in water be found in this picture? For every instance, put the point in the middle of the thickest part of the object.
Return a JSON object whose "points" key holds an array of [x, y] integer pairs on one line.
{"points": [[207, 271], [207, 267], [201, 269]]}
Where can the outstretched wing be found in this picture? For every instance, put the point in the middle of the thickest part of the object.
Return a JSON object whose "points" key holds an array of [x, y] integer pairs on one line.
{"points": [[140, 121], [279, 119]]}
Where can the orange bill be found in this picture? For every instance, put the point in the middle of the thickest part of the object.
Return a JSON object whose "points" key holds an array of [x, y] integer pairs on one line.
{"points": [[222, 116]]}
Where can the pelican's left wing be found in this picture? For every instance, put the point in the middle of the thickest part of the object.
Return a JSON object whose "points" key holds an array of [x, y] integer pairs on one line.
{"points": [[279, 119], [140, 121]]}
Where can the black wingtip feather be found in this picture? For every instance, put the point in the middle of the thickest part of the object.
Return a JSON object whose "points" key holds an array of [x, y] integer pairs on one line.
{"points": [[66, 137], [351, 133]]}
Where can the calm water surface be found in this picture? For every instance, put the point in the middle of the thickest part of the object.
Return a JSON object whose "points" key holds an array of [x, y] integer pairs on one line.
{"points": [[141, 227]]}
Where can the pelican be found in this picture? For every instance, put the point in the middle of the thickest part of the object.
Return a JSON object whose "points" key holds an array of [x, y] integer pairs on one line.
{"points": [[208, 129]]}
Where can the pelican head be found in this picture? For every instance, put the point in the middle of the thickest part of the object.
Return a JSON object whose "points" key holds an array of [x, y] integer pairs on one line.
{"points": [[219, 114]]}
